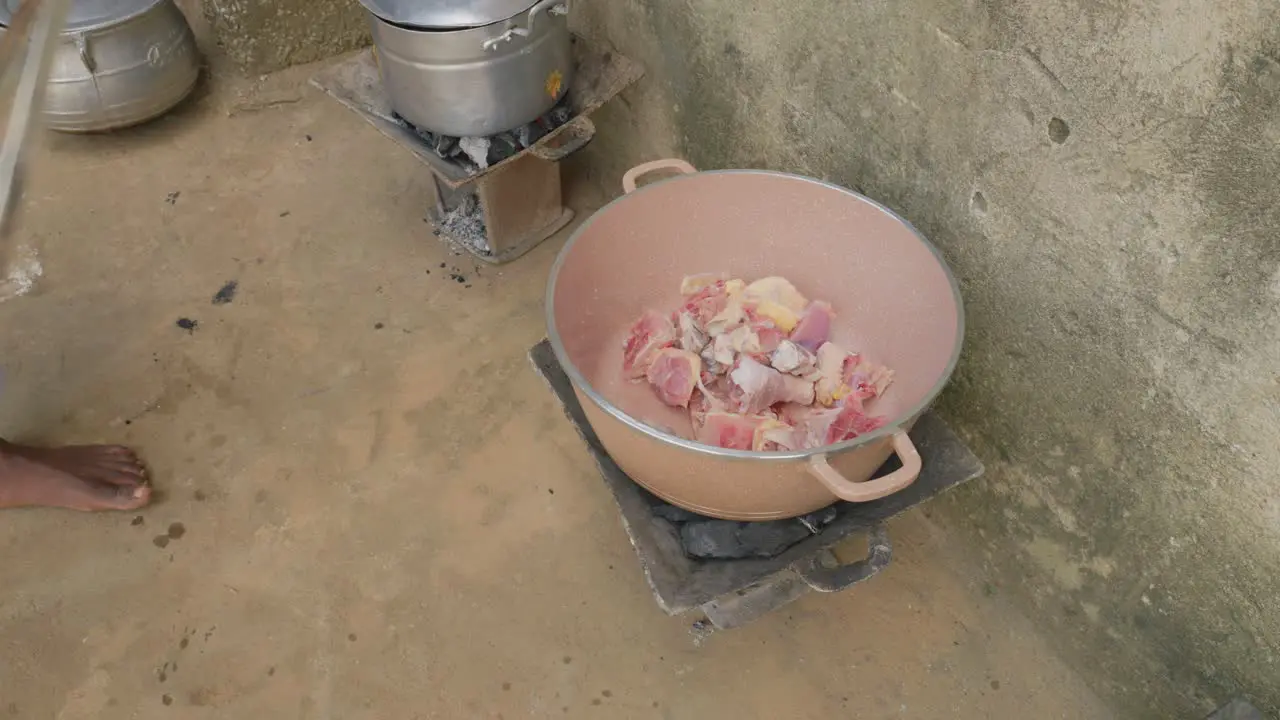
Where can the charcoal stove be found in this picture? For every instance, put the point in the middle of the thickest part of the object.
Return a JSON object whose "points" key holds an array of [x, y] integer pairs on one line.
{"points": [[731, 592], [495, 197]]}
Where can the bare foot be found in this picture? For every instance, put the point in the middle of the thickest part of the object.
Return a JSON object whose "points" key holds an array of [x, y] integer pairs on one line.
{"points": [[82, 477]]}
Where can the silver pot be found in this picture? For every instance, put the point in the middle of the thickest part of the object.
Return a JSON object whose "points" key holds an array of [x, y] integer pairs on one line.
{"points": [[117, 63], [476, 81]]}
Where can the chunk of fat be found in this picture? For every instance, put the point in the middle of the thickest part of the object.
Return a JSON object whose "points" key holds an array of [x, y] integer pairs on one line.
{"points": [[693, 284], [778, 290]]}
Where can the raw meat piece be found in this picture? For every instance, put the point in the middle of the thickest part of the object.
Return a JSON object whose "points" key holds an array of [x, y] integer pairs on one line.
{"points": [[744, 340], [692, 337], [782, 317], [652, 332], [731, 316], [778, 290], [706, 303], [845, 374], [838, 424], [757, 387], [866, 380], [754, 366], [831, 359], [795, 360], [774, 436], [674, 373], [814, 327], [692, 284], [729, 430], [794, 414]]}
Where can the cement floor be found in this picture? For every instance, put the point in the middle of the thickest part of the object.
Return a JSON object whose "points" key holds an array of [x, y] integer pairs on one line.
{"points": [[372, 507]]}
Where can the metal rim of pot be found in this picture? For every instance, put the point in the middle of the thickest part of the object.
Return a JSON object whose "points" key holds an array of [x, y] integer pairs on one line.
{"points": [[444, 14], [87, 16], [580, 381]]}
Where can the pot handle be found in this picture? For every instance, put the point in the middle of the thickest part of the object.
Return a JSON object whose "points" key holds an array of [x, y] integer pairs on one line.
{"points": [[843, 488], [86, 57], [630, 177], [575, 136], [841, 577], [557, 7]]}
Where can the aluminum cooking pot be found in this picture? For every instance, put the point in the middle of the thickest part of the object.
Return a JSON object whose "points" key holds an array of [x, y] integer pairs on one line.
{"points": [[895, 300], [476, 81], [117, 63]]}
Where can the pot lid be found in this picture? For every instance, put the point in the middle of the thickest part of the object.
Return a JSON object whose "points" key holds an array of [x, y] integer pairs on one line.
{"points": [[88, 14], [443, 14]]}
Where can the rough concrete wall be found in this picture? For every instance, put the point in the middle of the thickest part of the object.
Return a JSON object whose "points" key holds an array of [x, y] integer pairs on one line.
{"points": [[261, 36], [1104, 176]]}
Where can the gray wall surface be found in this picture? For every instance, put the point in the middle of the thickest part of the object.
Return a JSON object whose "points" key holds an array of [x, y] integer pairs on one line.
{"points": [[260, 36], [1104, 177]]}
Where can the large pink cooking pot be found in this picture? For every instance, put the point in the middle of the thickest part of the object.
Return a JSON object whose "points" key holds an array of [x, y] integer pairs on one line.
{"points": [[895, 299]]}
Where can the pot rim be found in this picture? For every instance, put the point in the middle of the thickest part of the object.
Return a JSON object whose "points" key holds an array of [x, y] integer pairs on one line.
{"points": [[581, 383]]}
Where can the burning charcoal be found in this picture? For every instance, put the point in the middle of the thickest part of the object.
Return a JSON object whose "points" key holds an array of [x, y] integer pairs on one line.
{"points": [[725, 540], [671, 513], [818, 519]]}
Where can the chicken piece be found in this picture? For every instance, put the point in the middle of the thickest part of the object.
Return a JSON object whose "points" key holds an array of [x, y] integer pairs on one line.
{"points": [[795, 360], [732, 315], [826, 427], [707, 398], [674, 373], [729, 430], [706, 303], [774, 436], [693, 284], [651, 333], [778, 290], [756, 387], [814, 327], [723, 352], [796, 390], [864, 379], [692, 337], [831, 359], [794, 414], [744, 340], [782, 317]]}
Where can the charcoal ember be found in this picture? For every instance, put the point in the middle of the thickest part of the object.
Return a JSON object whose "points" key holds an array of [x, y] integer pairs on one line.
{"points": [[502, 146], [558, 115], [818, 519], [726, 540], [674, 514]]}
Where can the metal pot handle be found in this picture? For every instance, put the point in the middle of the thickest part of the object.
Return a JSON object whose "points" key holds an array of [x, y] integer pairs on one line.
{"points": [[570, 139], [630, 177], [843, 488], [555, 7], [86, 57]]}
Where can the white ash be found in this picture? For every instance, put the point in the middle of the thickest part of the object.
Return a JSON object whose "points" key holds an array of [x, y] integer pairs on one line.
{"points": [[21, 275], [476, 148], [463, 224]]}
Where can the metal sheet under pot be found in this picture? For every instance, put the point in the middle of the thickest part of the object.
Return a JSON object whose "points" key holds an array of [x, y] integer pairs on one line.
{"points": [[117, 63], [476, 81]]}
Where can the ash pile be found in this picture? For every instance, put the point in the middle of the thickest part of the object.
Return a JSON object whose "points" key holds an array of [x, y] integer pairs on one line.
{"points": [[474, 154]]}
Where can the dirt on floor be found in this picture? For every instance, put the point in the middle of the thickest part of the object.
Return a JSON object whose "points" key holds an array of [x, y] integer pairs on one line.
{"points": [[372, 507]]}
